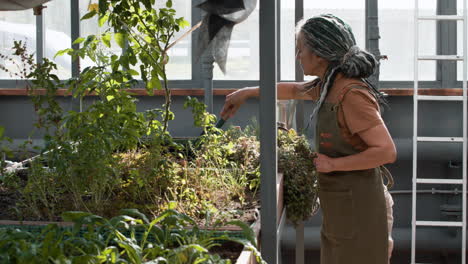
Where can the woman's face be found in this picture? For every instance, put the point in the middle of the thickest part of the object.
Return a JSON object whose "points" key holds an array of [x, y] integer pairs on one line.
{"points": [[310, 62]]}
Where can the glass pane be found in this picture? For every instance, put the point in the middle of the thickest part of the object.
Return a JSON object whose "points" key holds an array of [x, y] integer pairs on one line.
{"points": [[460, 7], [288, 40], [90, 27], [58, 35], [352, 12], [460, 35], [180, 56], [243, 53], [16, 25], [179, 66], [396, 22]]}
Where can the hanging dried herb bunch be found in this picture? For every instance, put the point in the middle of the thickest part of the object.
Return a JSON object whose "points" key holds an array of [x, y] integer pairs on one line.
{"points": [[295, 161]]}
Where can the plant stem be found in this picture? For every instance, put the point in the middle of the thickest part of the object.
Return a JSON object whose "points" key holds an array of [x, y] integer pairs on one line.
{"points": [[168, 100]]}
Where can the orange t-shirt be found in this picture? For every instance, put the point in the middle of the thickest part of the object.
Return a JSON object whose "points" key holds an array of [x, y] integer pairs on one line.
{"points": [[359, 109]]}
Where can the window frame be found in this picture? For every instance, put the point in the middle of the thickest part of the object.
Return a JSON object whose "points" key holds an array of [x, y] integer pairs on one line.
{"points": [[446, 42]]}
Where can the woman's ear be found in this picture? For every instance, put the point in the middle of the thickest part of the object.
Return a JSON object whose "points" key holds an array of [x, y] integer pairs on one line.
{"points": [[321, 61]]}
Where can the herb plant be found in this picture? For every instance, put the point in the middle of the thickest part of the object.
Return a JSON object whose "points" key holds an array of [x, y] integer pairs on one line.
{"points": [[295, 161]]}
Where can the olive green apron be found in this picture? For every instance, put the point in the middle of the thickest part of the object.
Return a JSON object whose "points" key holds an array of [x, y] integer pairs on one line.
{"points": [[354, 226]]}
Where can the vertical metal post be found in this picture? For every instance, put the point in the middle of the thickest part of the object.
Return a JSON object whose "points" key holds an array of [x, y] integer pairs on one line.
{"points": [[75, 33], [40, 33], [465, 135], [76, 103], [299, 76], [415, 129], [196, 64], [268, 133], [300, 243], [206, 61], [278, 40], [373, 36], [207, 73], [298, 15]]}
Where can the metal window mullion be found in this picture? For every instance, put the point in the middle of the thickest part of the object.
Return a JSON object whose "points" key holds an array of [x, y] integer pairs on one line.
{"points": [[76, 103], [203, 67], [373, 35], [446, 39], [196, 64], [415, 131], [299, 75], [268, 130], [40, 37], [75, 33]]}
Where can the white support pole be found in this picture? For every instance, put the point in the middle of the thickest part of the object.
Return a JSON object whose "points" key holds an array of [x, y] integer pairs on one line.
{"points": [[415, 131], [465, 69]]}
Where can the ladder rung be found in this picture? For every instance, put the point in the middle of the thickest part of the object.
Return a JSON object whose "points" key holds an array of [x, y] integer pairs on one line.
{"points": [[447, 17], [439, 181], [441, 57], [438, 223], [440, 139], [439, 98]]}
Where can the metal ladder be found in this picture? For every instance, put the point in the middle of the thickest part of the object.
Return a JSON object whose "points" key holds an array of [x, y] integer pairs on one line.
{"points": [[463, 140]]}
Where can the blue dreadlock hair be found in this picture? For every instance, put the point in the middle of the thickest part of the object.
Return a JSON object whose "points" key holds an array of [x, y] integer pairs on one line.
{"points": [[331, 38]]}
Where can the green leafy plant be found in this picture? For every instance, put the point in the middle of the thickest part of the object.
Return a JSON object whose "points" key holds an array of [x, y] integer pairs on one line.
{"points": [[130, 237], [145, 34], [75, 140], [5, 151]]}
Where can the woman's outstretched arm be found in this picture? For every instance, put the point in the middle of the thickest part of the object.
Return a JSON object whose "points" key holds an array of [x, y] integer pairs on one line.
{"points": [[285, 91]]}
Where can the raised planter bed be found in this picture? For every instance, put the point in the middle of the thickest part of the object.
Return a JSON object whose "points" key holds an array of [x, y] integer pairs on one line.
{"points": [[229, 250], [246, 256]]}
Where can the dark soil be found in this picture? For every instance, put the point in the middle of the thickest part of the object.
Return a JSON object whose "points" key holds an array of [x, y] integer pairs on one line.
{"points": [[228, 250]]}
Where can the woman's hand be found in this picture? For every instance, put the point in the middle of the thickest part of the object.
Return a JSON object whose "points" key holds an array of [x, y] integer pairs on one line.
{"points": [[234, 101], [323, 163]]}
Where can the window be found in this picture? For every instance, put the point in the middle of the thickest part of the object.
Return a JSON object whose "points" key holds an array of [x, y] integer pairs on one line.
{"points": [[180, 62], [243, 53], [16, 25], [57, 25], [352, 12], [460, 36], [395, 23], [288, 40], [397, 40], [90, 27]]}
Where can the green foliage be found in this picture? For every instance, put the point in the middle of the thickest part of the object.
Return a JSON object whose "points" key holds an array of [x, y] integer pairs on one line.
{"points": [[295, 161], [128, 238], [201, 118], [5, 151], [109, 156], [145, 33], [81, 147]]}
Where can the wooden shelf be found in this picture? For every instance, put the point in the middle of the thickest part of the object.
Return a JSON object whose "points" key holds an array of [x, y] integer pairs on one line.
{"points": [[224, 92], [423, 91]]}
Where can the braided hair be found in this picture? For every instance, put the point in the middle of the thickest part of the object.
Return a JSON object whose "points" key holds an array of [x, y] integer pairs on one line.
{"points": [[331, 38]]}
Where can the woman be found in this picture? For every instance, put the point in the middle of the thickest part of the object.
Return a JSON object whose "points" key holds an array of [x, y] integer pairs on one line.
{"points": [[352, 141]]}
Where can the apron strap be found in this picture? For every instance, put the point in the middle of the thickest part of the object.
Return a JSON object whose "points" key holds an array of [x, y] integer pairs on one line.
{"points": [[388, 176]]}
